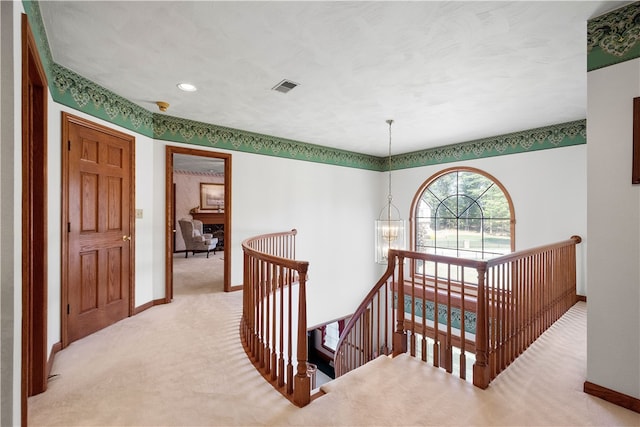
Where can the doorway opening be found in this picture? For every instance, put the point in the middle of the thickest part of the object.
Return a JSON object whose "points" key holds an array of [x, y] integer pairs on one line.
{"points": [[198, 190]]}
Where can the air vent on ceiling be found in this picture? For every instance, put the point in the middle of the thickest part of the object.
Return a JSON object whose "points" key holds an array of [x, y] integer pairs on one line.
{"points": [[285, 86]]}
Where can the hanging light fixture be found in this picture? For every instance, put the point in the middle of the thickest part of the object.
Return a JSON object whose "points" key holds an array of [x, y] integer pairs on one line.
{"points": [[389, 225]]}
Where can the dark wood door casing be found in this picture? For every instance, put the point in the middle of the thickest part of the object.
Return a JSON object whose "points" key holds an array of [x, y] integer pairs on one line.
{"points": [[34, 370], [98, 227], [225, 218]]}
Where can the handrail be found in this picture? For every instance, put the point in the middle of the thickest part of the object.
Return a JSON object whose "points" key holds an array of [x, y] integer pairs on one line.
{"points": [[269, 329], [486, 311], [525, 293]]}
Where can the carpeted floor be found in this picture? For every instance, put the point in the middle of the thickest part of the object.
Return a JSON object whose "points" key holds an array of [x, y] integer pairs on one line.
{"points": [[183, 364]]}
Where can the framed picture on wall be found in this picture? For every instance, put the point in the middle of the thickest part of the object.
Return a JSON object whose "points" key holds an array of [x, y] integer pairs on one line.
{"points": [[211, 196]]}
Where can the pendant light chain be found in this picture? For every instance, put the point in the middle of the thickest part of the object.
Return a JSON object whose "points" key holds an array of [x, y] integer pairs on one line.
{"points": [[389, 231]]}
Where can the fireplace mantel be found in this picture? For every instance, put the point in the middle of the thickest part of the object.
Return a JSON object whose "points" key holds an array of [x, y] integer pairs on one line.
{"points": [[209, 217]]}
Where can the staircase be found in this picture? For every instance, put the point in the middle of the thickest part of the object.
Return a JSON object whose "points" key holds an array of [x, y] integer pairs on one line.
{"points": [[486, 313], [471, 318]]}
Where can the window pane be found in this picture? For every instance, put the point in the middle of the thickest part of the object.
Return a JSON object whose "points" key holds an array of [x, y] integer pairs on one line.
{"points": [[448, 208], [494, 203], [497, 236], [463, 214], [331, 335], [444, 186], [472, 210], [446, 237], [472, 184], [424, 234]]}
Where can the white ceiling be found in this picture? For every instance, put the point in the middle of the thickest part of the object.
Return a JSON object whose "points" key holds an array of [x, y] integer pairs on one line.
{"points": [[446, 72], [198, 164]]}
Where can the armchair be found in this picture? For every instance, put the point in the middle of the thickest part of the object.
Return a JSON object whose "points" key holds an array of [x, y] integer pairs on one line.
{"points": [[194, 239]]}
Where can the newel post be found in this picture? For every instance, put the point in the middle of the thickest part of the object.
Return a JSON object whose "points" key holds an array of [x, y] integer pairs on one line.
{"points": [[481, 366], [400, 336], [302, 382]]}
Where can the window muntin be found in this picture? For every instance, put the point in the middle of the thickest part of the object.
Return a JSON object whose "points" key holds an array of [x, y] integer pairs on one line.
{"points": [[463, 212]]}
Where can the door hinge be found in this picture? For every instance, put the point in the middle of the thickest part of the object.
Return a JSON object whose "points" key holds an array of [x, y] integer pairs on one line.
{"points": [[68, 309], [68, 227]]}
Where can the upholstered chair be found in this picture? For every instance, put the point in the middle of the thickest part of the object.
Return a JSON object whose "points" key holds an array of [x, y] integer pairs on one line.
{"points": [[194, 239]]}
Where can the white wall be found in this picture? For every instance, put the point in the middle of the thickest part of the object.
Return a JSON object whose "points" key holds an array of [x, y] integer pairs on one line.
{"points": [[325, 203], [613, 258], [547, 187], [10, 211], [333, 209], [54, 223]]}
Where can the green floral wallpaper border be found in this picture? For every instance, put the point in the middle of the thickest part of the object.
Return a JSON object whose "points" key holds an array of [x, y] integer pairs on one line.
{"points": [[70, 89], [75, 91], [561, 135], [429, 309], [182, 130], [614, 37]]}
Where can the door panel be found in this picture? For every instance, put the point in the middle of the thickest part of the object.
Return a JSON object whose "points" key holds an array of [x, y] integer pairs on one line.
{"points": [[88, 282], [99, 229]]}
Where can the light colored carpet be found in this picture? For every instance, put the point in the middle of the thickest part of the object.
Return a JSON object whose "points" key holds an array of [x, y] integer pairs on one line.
{"points": [[183, 364]]}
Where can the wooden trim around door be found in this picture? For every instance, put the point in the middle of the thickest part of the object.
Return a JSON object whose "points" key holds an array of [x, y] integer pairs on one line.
{"points": [[34, 371], [66, 119], [170, 213], [148, 305]]}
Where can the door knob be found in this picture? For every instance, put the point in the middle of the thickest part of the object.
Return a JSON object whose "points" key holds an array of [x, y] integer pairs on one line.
{"points": [[124, 238]]}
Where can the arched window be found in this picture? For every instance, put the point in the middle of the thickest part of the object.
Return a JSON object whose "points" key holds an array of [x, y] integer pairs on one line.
{"points": [[463, 212]]}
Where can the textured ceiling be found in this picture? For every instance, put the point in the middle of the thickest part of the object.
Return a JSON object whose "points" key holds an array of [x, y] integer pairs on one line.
{"points": [[198, 164], [446, 72]]}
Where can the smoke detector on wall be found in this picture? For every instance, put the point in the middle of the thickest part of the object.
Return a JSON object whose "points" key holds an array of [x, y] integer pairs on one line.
{"points": [[285, 86]]}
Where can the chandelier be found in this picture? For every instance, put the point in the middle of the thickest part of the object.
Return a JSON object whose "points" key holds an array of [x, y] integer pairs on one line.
{"points": [[389, 227]]}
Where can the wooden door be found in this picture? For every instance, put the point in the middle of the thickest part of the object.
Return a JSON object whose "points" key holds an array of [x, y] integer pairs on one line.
{"points": [[99, 228]]}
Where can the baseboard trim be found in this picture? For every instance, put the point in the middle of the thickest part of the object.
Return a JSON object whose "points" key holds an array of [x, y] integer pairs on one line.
{"points": [[612, 396], [54, 350], [148, 305], [582, 298]]}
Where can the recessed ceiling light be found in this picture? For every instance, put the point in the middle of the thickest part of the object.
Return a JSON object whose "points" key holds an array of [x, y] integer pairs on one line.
{"points": [[187, 87]]}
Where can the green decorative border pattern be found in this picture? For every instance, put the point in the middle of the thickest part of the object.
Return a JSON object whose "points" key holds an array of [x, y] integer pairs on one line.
{"points": [[71, 89], [429, 308], [75, 91], [614, 37], [561, 135], [175, 129]]}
